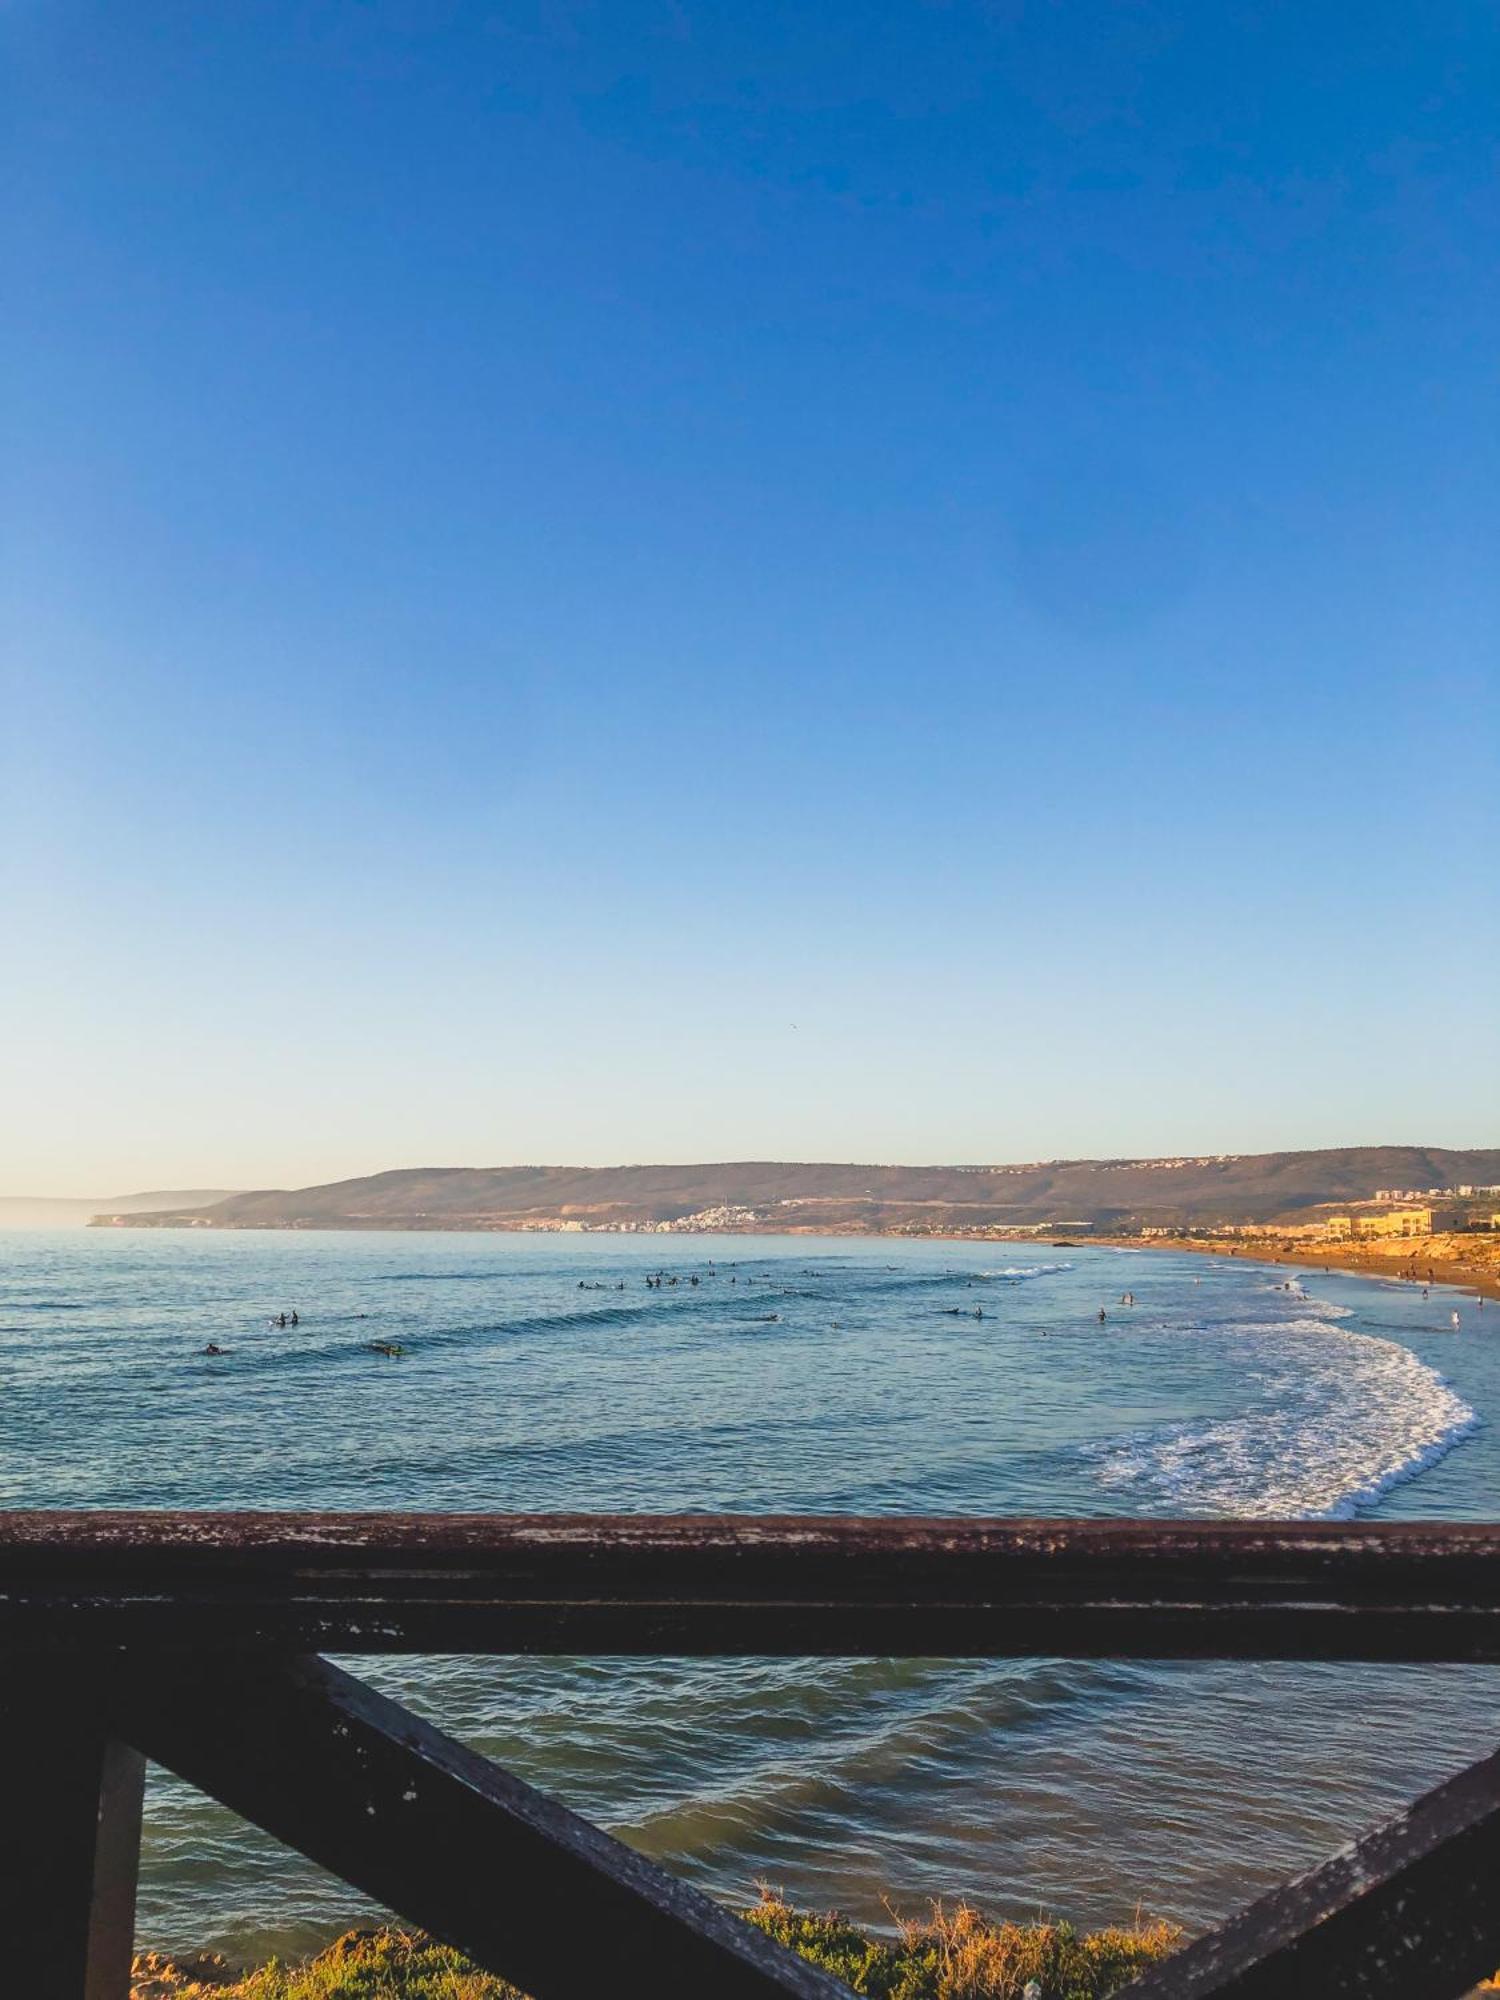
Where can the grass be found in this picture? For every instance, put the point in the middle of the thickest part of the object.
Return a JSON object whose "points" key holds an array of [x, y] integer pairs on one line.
{"points": [[948, 1955]]}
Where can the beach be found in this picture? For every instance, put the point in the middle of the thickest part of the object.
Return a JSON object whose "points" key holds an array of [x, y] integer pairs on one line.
{"points": [[1469, 1261]]}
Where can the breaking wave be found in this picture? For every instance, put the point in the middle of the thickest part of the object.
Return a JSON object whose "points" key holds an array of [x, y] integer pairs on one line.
{"points": [[1344, 1417]]}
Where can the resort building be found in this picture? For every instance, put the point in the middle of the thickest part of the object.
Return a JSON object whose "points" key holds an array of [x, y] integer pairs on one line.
{"points": [[1405, 1222], [1391, 1222]]}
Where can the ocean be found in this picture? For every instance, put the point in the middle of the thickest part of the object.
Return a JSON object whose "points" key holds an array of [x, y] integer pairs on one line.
{"points": [[797, 1374]]}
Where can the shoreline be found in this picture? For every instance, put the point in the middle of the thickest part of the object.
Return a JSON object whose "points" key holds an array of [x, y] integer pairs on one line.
{"points": [[1473, 1267], [1415, 1268]]}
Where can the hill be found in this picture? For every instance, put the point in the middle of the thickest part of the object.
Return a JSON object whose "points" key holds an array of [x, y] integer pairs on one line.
{"points": [[1117, 1194]]}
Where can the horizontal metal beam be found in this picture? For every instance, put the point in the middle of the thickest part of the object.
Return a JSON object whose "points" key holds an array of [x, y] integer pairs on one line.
{"points": [[748, 1584], [1409, 1912], [444, 1838]]}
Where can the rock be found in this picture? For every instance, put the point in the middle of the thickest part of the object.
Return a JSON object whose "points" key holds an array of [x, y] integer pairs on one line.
{"points": [[197, 1976], [354, 1944]]}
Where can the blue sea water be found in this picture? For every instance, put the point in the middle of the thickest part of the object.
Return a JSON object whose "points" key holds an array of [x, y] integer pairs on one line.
{"points": [[838, 1375]]}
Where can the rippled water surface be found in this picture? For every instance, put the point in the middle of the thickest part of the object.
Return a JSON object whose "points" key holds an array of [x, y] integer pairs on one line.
{"points": [[835, 1376]]}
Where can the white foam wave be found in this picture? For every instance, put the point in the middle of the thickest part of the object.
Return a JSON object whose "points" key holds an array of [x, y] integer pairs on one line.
{"points": [[1291, 1288], [1026, 1271], [1325, 1309], [1342, 1422]]}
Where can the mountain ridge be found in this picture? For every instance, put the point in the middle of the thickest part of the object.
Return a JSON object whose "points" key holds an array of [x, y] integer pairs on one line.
{"points": [[1126, 1192]]}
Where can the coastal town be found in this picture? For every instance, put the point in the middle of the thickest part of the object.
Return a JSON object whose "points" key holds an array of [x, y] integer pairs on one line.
{"points": [[1398, 1214], [1390, 1213]]}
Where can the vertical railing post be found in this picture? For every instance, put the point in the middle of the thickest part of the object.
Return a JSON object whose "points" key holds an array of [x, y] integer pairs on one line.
{"points": [[70, 1836]]}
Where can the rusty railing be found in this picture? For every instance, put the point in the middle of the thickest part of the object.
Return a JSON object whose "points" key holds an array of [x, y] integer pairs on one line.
{"points": [[193, 1640]]}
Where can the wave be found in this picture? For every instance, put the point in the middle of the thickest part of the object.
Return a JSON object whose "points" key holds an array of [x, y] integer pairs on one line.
{"points": [[1340, 1425], [247, 1357], [62, 1305], [938, 1281], [256, 1353], [494, 1274], [1321, 1309]]}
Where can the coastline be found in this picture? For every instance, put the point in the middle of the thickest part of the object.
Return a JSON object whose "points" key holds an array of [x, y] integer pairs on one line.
{"points": [[1411, 1264], [1465, 1262]]}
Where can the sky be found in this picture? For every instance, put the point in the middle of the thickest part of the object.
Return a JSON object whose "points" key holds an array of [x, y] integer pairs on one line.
{"points": [[666, 580]]}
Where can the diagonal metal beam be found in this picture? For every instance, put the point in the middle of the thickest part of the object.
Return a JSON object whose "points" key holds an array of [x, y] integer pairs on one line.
{"points": [[1409, 1912], [445, 1838]]}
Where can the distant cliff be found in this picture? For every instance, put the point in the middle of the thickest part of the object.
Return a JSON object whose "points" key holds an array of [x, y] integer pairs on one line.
{"points": [[40, 1211], [781, 1196]]}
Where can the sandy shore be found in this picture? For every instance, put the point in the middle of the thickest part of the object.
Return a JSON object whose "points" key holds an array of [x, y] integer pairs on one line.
{"points": [[1470, 1262]]}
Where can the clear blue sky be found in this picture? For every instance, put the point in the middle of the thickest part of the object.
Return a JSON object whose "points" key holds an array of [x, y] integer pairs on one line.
{"points": [[613, 582]]}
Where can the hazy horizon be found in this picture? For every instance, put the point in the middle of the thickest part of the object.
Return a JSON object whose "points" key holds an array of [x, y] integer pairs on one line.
{"points": [[688, 583]]}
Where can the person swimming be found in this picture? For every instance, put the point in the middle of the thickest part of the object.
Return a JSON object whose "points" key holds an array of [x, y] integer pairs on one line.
{"points": [[213, 1349], [1103, 1315]]}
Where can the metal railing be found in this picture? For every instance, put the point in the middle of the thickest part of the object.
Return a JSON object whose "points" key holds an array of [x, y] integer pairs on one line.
{"points": [[193, 1640]]}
